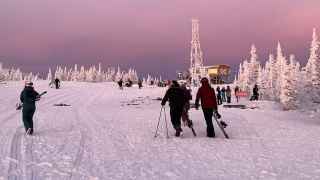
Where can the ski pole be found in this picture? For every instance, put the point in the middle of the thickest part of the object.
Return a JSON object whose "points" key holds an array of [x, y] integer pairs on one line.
{"points": [[156, 134], [165, 119]]}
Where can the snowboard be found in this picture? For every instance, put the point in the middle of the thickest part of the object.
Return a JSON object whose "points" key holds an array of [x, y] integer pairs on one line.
{"points": [[220, 126], [20, 105]]}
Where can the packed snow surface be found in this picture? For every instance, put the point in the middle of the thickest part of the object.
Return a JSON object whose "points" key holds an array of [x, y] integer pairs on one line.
{"points": [[108, 133]]}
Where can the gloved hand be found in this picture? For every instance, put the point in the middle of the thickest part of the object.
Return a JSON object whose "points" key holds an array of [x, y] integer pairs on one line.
{"points": [[216, 113], [38, 98]]}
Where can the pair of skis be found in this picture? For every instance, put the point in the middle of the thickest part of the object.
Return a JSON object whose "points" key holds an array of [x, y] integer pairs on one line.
{"points": [[216, 116]]}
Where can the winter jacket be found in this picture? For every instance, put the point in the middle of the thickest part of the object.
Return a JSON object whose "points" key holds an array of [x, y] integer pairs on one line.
{"points": [[218, 92], [176, 97], [29, 96], [228, 92], [207, 96]]}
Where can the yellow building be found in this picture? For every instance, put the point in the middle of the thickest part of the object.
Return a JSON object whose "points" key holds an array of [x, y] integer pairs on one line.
{"points": [[218, 74]]}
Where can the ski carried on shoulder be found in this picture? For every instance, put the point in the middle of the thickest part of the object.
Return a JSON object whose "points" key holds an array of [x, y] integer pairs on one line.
{"points": [[221, 126], [20, 105]]}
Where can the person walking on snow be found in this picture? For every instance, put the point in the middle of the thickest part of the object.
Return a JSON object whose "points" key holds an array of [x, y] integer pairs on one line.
{"points": [[177, 100], [208, 103], [28, 98], [255, 96]]}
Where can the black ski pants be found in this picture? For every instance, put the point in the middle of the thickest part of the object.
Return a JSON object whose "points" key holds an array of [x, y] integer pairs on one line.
{"points": [[208, 113], [175, 115], [228, 99], [219, 100], [27, 116]]}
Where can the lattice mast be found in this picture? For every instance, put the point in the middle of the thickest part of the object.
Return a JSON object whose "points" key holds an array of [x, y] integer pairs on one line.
{"points": [[196, 56]]}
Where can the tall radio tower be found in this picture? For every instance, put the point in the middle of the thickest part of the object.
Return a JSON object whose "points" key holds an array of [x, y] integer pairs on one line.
{"points": [[197, 70]]}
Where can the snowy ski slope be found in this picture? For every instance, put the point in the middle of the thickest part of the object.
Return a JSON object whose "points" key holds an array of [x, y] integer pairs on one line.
{"points": [[108, 134]]}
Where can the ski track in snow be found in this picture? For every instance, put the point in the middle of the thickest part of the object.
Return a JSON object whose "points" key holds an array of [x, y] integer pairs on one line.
{"points": [[107, 133]]}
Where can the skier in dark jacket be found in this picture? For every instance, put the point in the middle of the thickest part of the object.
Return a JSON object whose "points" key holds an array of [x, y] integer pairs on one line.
{"points": [[208, 103], [140, 83], [255, 96], [219, 98], [177, 100], [57, 83], [28, 97], [120, 83]]}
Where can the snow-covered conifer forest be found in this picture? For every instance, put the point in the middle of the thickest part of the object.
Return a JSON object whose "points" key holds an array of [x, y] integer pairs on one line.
{"points": [[282, 78], [78, 74]]}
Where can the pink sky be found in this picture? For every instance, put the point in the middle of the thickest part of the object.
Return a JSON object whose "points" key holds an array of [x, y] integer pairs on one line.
{"points": [[150, 35]]}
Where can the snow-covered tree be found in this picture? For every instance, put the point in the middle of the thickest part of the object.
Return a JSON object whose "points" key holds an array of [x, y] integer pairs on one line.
{"points": [[288, 93], [280, 65], [313, 69], [270, 73], [262, 82], [49, 76], [253, 67], [245, 86]]}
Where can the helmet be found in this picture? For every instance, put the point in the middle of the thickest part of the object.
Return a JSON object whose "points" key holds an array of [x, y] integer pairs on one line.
{"points": [[29, 84]]}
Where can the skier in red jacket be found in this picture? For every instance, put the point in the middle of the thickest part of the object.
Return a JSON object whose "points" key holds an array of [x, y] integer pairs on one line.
{"points": [[208, 103]]}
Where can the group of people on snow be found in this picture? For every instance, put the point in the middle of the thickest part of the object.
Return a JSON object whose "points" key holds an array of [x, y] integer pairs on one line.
{"points": [[223, 95], [179, 97], [129, 83]]}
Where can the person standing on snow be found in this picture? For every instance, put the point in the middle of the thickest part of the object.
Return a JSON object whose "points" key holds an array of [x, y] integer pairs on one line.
{"points": [[219, 96], [208, 103], [28, 97], [255, 96], [228, 94], [57, 83], [120, 82], [177, 100], [140, 83], [223, 94], [236, 91]]}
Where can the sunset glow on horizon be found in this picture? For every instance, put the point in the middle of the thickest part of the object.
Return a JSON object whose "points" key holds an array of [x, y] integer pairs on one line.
{"points": [[151, 36]]}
